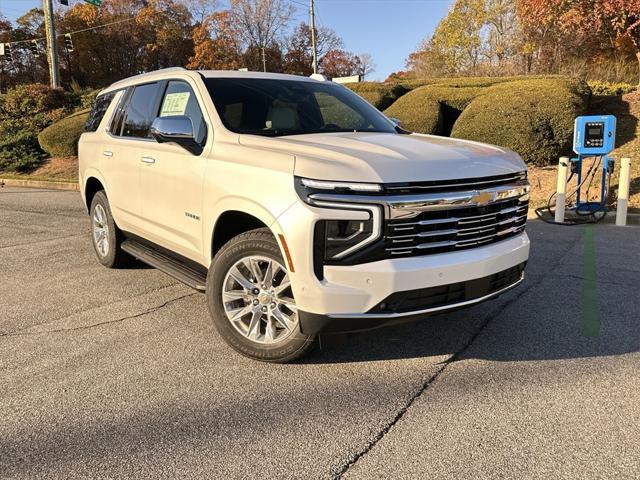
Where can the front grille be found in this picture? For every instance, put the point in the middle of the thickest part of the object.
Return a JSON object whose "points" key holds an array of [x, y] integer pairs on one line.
{"points": [[448, 295], [441, 231]]}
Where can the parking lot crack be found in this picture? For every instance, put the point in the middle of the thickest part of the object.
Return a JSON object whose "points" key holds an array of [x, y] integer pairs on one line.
{"points": [[341, 470], [99, 324]]}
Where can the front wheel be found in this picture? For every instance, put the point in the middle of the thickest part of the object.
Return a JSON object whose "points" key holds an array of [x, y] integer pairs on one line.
{"points": [[251, 301]]}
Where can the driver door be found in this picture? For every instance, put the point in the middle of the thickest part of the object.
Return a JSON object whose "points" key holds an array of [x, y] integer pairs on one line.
{"points": [[171, 178]]}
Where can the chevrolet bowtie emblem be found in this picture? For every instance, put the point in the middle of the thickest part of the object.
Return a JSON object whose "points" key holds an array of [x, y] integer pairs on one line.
{"points": [[483, 198]]}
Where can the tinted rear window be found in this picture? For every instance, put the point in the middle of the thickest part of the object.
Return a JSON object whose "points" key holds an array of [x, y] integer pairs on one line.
{"points": [[100, 107], [141, 111]]}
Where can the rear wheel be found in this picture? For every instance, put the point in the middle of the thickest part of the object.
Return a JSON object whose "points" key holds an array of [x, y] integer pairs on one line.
{"points": [[105, 235], [251, 301]]}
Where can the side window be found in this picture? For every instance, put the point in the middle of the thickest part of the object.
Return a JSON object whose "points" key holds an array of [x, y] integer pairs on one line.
{"points": [[141, 111], [179, 99], [100, 107]]}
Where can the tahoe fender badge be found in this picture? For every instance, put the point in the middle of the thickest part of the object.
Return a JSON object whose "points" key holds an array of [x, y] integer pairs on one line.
{"points": [[191, 215]]}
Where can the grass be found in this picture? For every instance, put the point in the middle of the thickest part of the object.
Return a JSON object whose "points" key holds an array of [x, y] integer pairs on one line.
{"points": [[53, 170]]}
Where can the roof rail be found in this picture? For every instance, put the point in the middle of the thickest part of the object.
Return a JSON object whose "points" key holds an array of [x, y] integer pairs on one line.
{"points": [[148, 74]]}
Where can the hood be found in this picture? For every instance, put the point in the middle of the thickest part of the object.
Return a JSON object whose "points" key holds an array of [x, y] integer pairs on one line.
{"points": [[389, 158]]}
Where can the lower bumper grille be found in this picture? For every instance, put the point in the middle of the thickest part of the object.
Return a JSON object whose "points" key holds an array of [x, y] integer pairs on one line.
{"points": [[447, 230], [451, 294]]}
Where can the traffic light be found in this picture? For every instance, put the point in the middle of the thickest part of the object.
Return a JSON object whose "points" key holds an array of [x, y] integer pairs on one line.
{"points": [[34, 48], [68, 43], [5, 51]]}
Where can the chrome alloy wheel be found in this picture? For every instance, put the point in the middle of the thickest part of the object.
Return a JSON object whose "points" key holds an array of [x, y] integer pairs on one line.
{"points": [[100, 230], [258, 300]]}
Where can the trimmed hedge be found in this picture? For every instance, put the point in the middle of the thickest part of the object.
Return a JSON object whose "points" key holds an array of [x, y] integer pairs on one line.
{"points": [[532, 117], [61, 138], [380, 95], [432, 109], [418, 113]]}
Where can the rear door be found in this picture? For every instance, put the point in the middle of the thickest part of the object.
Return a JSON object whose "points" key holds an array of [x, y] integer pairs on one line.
{"points": [[123, 152], [171, 178]]}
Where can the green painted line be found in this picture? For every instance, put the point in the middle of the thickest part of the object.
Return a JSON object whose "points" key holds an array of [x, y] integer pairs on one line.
{"points": [[590, 321]]}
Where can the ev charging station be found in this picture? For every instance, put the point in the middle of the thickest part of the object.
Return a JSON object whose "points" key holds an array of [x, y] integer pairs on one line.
{"points": [[593, 137]]}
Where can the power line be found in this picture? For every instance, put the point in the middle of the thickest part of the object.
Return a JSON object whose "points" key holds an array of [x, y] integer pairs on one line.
{"points": [[73, 32]]}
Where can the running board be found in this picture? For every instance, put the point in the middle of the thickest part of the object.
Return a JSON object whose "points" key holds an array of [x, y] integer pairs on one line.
{"points": [[167, 264]]}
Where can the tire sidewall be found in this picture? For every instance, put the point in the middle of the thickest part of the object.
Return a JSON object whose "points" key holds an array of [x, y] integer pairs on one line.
{"points": [[252, 243], [108, 260]]}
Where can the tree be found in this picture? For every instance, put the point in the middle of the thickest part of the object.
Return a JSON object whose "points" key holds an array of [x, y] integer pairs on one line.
{"points": [[298, 57], [261, 22], [458, 36], [338, 63], [366, 65], [621, 16], [104, 55], [217, 43], [165, 27]]}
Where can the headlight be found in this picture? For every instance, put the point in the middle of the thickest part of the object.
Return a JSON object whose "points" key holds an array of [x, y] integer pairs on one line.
{"points": [[342, 237], [338, 238], [307, 187]]}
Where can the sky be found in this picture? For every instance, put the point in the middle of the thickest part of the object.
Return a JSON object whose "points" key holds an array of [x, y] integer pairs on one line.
{"points": [[389, 30]]}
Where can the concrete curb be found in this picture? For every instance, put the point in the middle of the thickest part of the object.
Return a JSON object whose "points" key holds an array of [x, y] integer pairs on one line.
{"points": [[45, 184]]}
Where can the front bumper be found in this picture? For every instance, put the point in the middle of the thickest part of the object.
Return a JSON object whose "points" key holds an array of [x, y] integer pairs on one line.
{"points": [[353, 290], [429, 301]]}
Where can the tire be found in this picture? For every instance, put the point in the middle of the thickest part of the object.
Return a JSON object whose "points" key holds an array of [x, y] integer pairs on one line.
{"points": [[106, 237], [265, 323]]}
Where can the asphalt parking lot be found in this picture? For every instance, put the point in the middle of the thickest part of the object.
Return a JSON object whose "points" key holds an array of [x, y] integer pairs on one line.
{"points": [[120, 374]]}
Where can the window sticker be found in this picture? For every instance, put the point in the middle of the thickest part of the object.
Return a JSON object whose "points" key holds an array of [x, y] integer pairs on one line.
{"points": [[175, 104]]}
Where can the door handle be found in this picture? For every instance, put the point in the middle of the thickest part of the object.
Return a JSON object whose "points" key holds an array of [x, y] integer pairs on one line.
{"points": [[107, 153], [148, 160]]}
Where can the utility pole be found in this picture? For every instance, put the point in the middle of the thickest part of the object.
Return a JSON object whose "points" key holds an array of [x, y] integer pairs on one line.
{"points": [[314, 46], [52, 52], [264, 60]]}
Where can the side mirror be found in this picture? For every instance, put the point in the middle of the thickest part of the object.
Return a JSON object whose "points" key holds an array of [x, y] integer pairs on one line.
{"points": [[176, 129], [396, 122]]}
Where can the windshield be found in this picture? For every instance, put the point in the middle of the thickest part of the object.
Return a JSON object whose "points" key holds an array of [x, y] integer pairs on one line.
{"points": [[289, 107]]}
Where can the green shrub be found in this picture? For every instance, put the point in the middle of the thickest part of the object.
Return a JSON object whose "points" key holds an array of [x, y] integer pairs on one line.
{"points": [[380, 95], [609, 88], [417, 113], [19, 152], [532, 117], [61, 138], [433, 108], [24, 111]]}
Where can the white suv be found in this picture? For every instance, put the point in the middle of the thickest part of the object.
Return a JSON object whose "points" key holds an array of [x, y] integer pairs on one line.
{"points": [[296, 206]]}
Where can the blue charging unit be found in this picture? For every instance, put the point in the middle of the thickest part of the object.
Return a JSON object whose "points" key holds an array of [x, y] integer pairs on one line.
{"points": [[593, 136]]}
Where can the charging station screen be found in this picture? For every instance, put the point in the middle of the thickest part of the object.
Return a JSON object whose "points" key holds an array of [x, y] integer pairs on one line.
{"points": [[595, 135]]}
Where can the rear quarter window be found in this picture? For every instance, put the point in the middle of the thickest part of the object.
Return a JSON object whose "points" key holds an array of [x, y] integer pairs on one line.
{"points": [[100, 107]]}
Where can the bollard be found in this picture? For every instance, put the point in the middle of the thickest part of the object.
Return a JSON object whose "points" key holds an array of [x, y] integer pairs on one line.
{"points": [[561, 189], [623, 192]]}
